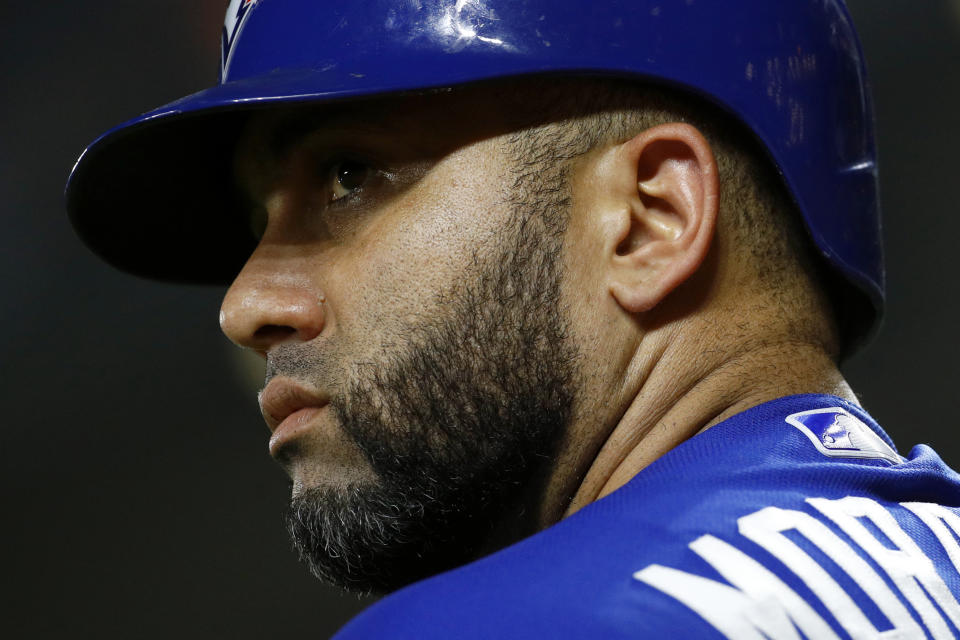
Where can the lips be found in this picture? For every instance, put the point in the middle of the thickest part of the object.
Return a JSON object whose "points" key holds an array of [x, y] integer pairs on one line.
{"points": [[282, 398]]}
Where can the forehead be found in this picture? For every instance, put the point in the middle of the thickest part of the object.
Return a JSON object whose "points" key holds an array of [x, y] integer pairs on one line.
{"points": [[433, 122]]}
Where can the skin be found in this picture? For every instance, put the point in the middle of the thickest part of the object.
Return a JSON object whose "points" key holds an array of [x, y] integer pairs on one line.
{"points": [[379, 264], [671, 335]]}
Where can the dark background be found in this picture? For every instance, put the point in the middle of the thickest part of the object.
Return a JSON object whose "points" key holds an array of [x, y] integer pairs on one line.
{"points": [[139, 499]]}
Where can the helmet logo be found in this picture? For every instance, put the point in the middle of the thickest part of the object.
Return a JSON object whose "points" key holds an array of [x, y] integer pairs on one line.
{"points": [[237, 14], [839, 434]]}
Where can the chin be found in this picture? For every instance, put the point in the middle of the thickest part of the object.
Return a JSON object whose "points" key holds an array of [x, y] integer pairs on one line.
{"points": [[308, 477]]}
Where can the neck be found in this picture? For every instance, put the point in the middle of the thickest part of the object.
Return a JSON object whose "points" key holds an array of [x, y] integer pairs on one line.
{"points": [[675, 403]]}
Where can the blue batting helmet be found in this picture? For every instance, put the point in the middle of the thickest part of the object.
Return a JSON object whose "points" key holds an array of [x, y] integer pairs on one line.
{"points": [[152, 195]]}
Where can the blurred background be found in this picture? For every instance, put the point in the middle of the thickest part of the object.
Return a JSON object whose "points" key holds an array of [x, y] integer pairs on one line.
{"points": [[139, 499]]}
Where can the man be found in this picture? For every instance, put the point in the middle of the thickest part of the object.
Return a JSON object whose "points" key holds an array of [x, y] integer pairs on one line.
{"points": [[551, 296]]}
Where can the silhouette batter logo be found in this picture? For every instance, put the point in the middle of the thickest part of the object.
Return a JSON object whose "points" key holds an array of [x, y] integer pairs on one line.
{"points": [[837, 433]]}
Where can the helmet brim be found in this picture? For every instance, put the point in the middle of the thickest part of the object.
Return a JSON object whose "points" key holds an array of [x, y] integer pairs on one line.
{"points": [[155, 196]]}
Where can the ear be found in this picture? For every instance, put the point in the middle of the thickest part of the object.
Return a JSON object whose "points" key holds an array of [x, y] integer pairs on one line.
{"points": [[667, 196]]}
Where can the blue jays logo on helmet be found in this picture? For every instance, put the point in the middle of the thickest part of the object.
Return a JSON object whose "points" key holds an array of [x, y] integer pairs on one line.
{"points": [[237, 14]]}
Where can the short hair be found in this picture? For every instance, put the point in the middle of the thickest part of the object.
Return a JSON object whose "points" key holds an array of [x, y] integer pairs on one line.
{"points": [[758, 218]]}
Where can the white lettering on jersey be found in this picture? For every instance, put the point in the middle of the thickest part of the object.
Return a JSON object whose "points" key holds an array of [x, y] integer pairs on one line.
{"points": [[907, 565], [759, 605], [767, 526], [934, 516]]}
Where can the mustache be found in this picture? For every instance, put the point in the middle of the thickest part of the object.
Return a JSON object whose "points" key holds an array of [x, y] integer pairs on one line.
{"points": [[301, 361]]}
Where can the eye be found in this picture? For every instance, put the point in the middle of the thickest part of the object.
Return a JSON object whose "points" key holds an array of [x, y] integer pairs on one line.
{"points": [[348, 176]]}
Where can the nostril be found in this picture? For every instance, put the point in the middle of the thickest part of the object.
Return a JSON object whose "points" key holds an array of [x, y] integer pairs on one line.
{"points": [[273, 333]]}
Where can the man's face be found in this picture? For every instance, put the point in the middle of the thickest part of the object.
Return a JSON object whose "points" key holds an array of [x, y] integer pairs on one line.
{"points": [[407, 296]]}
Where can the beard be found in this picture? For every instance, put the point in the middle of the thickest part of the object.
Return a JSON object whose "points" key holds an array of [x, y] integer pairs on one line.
{"points": [[460, 426]]}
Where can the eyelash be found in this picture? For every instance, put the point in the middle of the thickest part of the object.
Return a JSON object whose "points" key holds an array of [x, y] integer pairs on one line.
{"points": [[329, 175], [326, 174]]}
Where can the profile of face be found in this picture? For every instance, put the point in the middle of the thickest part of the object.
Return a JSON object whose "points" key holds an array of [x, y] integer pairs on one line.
{"points": [[407, 295]]}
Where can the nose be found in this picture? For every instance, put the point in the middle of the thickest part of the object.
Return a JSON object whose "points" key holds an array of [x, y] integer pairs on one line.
{"points": [[269, 303]]}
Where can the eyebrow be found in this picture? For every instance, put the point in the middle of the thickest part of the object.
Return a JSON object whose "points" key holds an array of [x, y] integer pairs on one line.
{"points": [[295, 126]]}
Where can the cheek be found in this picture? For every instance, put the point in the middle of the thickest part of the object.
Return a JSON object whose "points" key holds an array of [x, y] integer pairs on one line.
{"points": [[422, 245]]}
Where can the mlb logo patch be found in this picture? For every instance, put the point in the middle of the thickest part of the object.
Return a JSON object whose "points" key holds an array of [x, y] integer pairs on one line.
{"points": [[839, 434], [237, 14]]}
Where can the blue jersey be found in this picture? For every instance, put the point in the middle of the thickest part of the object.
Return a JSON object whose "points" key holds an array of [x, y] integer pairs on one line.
{"points": [[795, 519]]}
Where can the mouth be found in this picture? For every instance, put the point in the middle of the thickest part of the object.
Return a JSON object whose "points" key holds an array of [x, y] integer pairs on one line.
{"points": [[288, 408]]}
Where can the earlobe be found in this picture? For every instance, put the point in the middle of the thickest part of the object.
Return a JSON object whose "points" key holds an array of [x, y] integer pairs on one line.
{"points": [[670, 190]]}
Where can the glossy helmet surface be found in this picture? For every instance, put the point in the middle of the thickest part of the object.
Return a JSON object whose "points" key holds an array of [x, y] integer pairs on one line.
{"points": [[150, 196]]}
